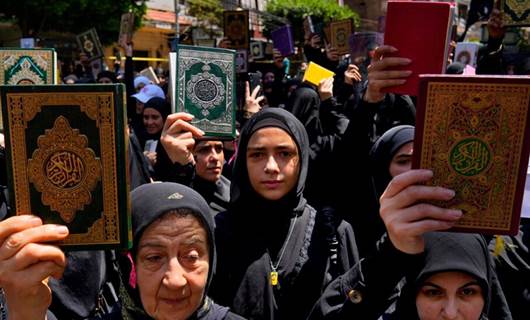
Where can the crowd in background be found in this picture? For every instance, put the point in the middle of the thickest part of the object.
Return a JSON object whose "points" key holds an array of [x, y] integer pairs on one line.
{"points": [[313, 212]]}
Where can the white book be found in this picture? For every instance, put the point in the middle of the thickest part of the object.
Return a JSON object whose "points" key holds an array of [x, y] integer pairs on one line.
{"points": [[467, 53]]}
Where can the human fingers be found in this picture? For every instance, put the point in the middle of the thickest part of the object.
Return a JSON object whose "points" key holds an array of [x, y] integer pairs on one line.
{"points": [[33, 253], [378, 85], [402, 181], [172, 118], [247, 89], [379, 52], [417, 193], [43, 233], [182, 126], [390, 74], [388, 62], [38, 272], [426, 211], [255, 91], [16, 224], [259, 99]]}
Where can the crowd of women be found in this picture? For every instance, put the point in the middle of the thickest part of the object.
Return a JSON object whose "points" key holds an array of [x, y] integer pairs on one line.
{"points": [[314, 213]]}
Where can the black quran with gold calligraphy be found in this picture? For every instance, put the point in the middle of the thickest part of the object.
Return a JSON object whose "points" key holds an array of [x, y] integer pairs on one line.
{"points": [[474, 132], [67, 153]]}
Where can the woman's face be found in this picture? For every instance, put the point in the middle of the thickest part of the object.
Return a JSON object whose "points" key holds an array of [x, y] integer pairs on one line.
{"points": [[172, 267], [153, 121], [450, 295], [209, 159], [273, 162], [402, 160]]}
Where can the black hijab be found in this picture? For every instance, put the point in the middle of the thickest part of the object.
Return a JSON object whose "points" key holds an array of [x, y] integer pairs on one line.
{"points": [[382, 153], [150, 202], [367, 224], [445, 251], [256, 234], [163, 108], [242, 195], [304, 104]]}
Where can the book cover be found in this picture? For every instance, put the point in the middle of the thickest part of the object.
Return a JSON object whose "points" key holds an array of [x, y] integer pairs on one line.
{"points": [[467, 53], [316, 73], [28, 66], [241, 61], [126, 27], [361, 43], [88, 42], [282, 39], [516, 12], [474, 132], [420, 31], [66, 148], [340, 31], [150, 74], [236, 28], [205, 87], [257, 50]]}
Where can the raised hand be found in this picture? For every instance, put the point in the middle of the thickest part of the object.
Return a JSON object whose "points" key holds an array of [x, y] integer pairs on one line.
{"points": [[381, 75], [406, 214], [252, 100], [26, 262], [352, 75], [177, 137], [325, 89]]}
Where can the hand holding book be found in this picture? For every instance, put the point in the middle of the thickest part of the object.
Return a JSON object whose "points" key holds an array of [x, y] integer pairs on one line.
{"points": [[382, 73], [406, 214], [178, 137], [325, 89], [27, 260]]}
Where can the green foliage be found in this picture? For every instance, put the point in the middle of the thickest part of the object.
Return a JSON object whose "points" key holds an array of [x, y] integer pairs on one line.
{"points": [[296, 10], [75, 16], [209, 13]]}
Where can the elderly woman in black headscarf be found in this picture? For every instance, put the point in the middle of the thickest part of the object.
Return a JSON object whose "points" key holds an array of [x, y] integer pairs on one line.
{"points": [[390, 156], [173, 256], [276, 252]]}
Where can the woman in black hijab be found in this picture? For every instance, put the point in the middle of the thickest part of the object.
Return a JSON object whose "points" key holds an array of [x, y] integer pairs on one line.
{"points": [[455, 281], [276, 253], [325, 124], [390, 155], [173, 256]]}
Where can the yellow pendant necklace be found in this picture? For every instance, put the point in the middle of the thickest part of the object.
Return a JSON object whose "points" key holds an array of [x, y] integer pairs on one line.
{"points": [[274, 273]]}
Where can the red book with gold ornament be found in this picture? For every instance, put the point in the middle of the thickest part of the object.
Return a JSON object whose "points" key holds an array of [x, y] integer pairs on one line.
{"points": [[474, 132]]}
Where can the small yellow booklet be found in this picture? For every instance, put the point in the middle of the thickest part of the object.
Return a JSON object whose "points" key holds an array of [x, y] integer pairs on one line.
{"points": [[316, 73]]}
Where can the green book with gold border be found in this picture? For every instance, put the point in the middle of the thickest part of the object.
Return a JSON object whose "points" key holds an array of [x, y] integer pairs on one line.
{"points": [[474, 133], [28, 66], [205, 87], [66, 148]]}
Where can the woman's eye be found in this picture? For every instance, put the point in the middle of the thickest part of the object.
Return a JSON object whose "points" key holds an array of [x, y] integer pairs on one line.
{"points": [[432, 292], [468, 292], [153, 258], [255, 155], [286, 154], [191, 258]]}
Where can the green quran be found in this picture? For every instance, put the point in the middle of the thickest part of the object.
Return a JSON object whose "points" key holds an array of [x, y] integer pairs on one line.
{"points": [[28, 66], [473, 132], [516, 12], [66, 150], [205, 87]]}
